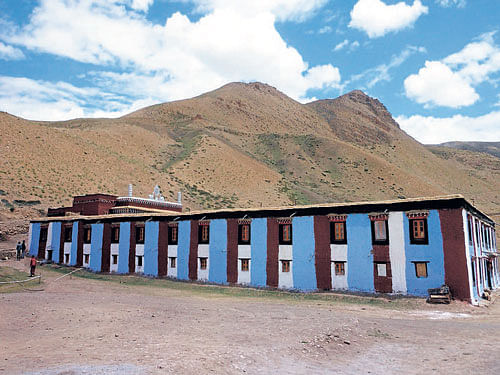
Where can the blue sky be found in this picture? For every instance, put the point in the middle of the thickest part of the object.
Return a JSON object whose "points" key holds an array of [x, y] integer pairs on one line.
{"points": [[435, 64]]}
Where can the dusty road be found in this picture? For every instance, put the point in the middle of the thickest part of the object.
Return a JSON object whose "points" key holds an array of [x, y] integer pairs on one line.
{"points": [[84, 326]]}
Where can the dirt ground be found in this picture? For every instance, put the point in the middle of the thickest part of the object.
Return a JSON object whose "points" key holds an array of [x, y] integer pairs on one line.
{"points": [[76, 326]]}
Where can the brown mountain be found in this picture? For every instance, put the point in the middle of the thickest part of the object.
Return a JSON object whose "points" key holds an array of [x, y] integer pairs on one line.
{"points": [[241, 145]]}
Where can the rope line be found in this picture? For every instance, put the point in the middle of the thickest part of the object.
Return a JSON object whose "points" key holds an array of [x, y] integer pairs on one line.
{"points": [[19, 281]]}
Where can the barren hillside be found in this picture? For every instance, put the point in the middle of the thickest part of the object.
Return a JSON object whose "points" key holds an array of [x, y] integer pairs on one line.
{"points": [[241, 145]]}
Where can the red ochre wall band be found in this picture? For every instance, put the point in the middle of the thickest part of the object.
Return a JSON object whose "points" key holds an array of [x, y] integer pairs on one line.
{"points": [[193, 251], [163, 248], [232, 251], [322, 252], [272, 252]]}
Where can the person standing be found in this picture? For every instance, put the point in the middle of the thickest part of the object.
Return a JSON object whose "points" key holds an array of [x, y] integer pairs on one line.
{"points": [[18, 250], [23, 249], [32, 265]]}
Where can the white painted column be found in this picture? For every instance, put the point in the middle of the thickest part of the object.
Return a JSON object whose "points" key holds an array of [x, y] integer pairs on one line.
{"points": [[244, 252], [30, 234], [285, 279], [203, 252], [397, 253], [339, 254], [86, 251], [48, 245], [172, 253], [139, 251], [114, 250], [465, 225]]}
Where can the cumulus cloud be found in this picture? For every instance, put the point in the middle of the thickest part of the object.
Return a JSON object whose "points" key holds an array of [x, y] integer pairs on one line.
{"points": [[341, 45], [10, 53], [449, 3], [346, 44], [231, 41], [436, 83], [433, 130], [451, 82], [376, 18]]}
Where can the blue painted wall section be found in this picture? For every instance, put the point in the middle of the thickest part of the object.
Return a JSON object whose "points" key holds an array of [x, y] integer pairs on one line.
{"points": [[359, 256], [123, 247], [56, 240], [151, 248], [35, 238], [183, 250], [258, 243], [432, 253], [74, 244], [96, 247], [217, 272], [304, 270]]}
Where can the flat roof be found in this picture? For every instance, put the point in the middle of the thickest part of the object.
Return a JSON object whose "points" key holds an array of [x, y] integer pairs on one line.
{"points": [[407, 204]]}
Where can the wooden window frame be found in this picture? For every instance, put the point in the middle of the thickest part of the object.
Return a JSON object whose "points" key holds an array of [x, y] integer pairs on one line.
{"points": [[204, 234], [66, 258], [113, 258], [285, 265], [114, 237], [87, 234], [339, 268], [173, 234], [203, 263], [86, 258], [376, 241], [68, 234], [244, 234], [245, 265], [424, 239], [334, 239], [139, 260], [426, 269], [285, 235], [172, 262], [140, 234], [386, 269], [470, 230]]}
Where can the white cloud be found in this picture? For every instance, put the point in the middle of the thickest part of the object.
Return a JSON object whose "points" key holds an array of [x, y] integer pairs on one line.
{"points": [[341, 45], [436, 83], [451, 81], [325, 30], [449, 3], [432, 130], [10, 53], [42, 100], [142, 5], [182, 57], [377, 18]]}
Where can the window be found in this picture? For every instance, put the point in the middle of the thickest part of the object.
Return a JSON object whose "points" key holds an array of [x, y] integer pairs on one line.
{"points": [[381, 269], [203, 263], [115, 234], [338, 234], [172, 235], [285, 266], [203, 234], [139, 235], [43, 234], [68, 234], [139, 261], [245, 265], [172, 262], [380, 235], [285, 233], [66, 258], [420, 269], [115, 258], [418, 231], [473, 269], [87, 235], [339, 268], [243, 234], [470, 230], [86, 258]]}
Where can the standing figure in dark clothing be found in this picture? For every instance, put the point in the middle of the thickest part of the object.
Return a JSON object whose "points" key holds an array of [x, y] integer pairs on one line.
{"points": [[33, 266], [23, 248], [18, 250]]}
